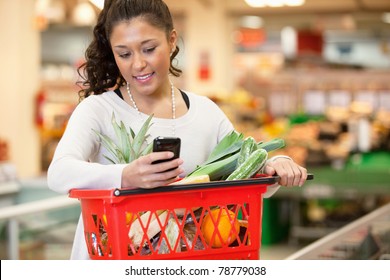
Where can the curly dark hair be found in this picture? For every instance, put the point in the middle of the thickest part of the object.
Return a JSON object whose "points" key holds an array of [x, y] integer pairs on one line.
{"points": [[100, 73]]}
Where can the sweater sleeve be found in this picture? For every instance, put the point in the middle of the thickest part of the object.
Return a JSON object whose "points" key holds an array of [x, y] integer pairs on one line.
{"points": [[72, 166]]}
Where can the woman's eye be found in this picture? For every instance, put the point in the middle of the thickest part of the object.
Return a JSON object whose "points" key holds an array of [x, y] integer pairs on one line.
{"points": [[124, 55], [149, 50]]}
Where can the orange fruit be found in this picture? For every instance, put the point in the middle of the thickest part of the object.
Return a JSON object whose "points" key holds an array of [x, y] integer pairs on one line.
{"points": [[105, 220], [223, 221], [130, 217]]}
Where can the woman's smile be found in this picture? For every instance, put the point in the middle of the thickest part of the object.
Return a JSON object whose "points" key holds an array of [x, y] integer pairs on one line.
{"points": [[144, 78]]}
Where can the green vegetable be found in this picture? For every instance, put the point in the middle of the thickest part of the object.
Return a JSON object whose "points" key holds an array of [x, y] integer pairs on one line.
{"points": [[217, 170], [129, 145], [248, 146], [250, 166], [271, 145], [222, 160], [231, 143]]}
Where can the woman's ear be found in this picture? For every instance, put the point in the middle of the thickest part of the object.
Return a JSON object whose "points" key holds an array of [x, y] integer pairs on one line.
{"points": [[173, 40]]}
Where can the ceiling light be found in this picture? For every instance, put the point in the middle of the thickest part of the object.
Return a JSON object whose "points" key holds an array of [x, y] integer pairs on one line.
{"points": [[274, 3], [294, 3], [83, 14], [256, 3], [98, 3]]}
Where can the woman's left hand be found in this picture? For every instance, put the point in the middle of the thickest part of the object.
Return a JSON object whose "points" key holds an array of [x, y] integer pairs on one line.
{"points": [[290, 173]]}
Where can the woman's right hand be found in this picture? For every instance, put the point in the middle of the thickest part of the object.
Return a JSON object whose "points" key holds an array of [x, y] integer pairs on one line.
{"points": [[142, 173]]}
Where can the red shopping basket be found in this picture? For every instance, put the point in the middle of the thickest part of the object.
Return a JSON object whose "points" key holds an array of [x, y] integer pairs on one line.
{"points": [[215, 220]]}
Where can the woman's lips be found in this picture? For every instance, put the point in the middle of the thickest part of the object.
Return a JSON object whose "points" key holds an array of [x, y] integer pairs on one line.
{"points": [[143, 78]]}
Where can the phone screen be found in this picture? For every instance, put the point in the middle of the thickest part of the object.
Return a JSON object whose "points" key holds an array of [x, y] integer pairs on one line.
{"points": [[167, 144]]}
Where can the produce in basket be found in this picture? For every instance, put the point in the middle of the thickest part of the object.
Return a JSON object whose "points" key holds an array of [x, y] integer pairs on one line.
{"points": [[131, 145], [248, 146], [230, 152], [193, 180], [149, 223], [250, 166], [192, 239], [172, 234], [222, 160], [220, 227]]}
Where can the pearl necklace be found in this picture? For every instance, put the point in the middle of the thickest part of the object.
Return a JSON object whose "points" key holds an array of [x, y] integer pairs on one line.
{"points": [[173, 105]]}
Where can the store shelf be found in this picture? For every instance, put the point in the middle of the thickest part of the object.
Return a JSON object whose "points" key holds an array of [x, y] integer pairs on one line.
{"points": [[55, 103]]}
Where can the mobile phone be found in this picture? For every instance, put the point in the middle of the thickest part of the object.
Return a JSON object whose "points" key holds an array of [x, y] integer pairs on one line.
{"points": [[171, 144]]}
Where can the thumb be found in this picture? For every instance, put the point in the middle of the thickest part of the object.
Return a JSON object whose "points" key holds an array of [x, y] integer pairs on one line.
{"points": [[269, 170]]}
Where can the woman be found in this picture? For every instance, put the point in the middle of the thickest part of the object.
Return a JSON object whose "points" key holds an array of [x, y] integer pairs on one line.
{"points": [[127, 70]]}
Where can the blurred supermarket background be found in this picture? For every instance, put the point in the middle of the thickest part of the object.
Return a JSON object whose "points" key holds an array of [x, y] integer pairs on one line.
{"points": [[314, 72]]}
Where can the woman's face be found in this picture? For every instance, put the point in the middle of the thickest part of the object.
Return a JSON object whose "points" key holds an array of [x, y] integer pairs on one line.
{"points": [[142, 53]]}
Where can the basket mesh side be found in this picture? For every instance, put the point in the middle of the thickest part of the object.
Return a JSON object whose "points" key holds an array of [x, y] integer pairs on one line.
{"points": [[207, 225]]}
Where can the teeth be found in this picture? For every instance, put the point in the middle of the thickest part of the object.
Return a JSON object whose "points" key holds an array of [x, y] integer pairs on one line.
{"points": [[143, 77]]}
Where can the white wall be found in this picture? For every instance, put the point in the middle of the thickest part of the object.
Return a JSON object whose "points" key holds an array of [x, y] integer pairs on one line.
{"points": [[207, 29], [19, 76]]}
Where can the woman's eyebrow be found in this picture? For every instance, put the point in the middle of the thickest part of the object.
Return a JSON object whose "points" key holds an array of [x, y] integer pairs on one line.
{"points": [[142, 43]]}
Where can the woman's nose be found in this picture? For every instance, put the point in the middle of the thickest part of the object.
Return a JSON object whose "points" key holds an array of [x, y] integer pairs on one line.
{"points": [[139, 61]]}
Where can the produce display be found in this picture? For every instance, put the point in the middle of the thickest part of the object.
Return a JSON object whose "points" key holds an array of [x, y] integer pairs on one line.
{"points": [[3, 150]]}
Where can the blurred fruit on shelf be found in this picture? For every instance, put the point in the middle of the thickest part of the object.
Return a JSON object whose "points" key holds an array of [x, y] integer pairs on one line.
{"points": [[3, 150]]}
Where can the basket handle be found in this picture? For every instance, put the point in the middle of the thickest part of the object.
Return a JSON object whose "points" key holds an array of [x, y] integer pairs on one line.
{"points": [[261, 181]]}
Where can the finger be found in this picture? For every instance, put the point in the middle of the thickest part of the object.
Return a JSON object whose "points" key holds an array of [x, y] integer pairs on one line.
{"points": [[303, 176], [282, 168], [294, 176], [157, 156], [167, 166], [285, 173], [298, 176], [283, 176], [166, 175], [269, 170]]}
